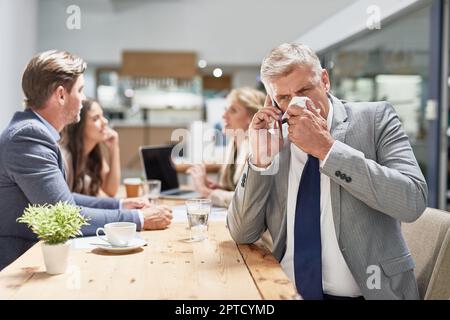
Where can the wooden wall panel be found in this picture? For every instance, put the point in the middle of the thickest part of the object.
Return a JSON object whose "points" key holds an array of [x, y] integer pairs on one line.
{"points": [[182, 65], [213, 83], [131, 138]]}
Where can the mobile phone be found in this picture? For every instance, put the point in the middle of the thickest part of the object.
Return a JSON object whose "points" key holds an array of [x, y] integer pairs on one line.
{"points": [[275, 104]]}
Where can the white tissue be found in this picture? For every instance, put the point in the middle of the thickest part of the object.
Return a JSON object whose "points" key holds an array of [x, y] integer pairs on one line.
{"points": [[297, 102]]}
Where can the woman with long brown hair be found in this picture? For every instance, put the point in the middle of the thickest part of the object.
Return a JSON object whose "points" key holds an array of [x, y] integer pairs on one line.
{"points": [[91, 153]]}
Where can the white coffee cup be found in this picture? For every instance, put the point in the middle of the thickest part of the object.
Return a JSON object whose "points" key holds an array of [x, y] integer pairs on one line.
{"points": [[118, 233]]}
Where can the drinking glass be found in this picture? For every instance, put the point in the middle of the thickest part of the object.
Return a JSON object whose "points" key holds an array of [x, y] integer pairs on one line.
{"points": [[153, 190], [198, 211]]}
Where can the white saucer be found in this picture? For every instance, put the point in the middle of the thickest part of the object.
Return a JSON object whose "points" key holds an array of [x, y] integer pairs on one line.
{"points": [[134, 244]]}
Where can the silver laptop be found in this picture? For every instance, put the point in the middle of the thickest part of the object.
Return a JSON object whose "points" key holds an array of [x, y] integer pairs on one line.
{"points": [[157, 164]]}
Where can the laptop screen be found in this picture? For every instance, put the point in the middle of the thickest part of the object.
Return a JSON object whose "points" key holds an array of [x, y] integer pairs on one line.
{"points": [[157, 164]]}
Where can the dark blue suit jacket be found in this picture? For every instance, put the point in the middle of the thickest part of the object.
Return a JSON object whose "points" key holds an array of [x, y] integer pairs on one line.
{"points": [[31, 171]]}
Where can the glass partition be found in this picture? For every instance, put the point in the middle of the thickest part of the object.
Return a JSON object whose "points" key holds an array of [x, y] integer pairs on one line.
{"points": [[389, 64]]}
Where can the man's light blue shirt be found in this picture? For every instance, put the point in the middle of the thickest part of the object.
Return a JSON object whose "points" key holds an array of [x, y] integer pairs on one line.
{"points": [[53, 131]]}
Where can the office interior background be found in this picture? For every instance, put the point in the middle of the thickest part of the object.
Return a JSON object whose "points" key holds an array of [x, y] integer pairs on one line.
{"points": [[159, 65]]}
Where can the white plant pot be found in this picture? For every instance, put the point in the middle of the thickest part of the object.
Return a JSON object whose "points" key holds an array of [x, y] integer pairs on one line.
{"points": [[56, 257]]}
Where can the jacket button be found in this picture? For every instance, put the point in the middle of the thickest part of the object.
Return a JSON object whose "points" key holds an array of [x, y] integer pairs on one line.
{"points": [[348, 179], [338, 173], [244, 177], [343, 176]]}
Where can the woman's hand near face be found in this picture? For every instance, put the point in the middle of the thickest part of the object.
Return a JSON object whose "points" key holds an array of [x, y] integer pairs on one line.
{"points": [[111, 180], [111, 139]]}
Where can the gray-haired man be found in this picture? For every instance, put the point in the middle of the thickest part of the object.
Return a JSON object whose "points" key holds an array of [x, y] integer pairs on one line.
{"points": [[333, 192]]}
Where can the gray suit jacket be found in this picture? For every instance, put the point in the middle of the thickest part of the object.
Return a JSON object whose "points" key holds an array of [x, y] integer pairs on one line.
{"points": [[31, 171], [375, 184]]}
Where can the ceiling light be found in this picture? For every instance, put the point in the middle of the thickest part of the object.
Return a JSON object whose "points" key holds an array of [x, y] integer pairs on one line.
{"points": [[217, 72]]}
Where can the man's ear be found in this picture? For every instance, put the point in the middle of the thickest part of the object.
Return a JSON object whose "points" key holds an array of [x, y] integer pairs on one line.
{"points": [[60, 95], [326, 80]]}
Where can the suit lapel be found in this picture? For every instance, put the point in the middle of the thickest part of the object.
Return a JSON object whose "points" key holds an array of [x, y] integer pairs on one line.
{"points": [[283, 176], [241, 160], [285, 158], [338, 130], [61, 162]]}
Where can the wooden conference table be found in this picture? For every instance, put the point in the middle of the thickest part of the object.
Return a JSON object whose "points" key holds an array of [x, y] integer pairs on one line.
{"points": [[169, 267]]}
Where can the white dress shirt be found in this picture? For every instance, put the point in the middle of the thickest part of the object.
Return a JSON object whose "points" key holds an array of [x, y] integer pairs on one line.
{"points": [[337, 279]]}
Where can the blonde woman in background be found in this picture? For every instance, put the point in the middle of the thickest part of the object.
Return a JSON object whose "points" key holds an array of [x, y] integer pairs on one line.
{"points": [[242, 104]]}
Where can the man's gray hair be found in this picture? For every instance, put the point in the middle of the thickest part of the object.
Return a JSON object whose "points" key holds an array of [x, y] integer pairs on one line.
{"points": [[283, 59]]}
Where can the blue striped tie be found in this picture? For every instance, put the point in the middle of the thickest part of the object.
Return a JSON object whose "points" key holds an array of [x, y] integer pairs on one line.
{"points": [[307, 241]]}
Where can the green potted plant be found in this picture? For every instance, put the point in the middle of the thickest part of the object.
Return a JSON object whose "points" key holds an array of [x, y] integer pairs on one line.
{"points": [[55, 225]]}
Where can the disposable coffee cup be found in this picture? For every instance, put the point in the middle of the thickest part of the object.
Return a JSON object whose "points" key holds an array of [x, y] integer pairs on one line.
{"points": [[132, 187]]}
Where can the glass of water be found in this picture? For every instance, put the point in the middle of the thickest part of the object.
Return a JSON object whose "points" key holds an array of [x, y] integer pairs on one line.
{"points": [[198, 211], [153, 190]]}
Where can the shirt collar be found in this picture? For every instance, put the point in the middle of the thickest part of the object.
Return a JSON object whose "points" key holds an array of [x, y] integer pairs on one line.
{"points": [[53, 131], [330, 115]]}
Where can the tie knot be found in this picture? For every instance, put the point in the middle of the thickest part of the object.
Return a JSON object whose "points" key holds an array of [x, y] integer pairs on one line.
{"points": [[312, 158]]}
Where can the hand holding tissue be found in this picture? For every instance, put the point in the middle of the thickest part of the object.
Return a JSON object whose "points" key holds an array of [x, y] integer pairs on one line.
{"points": [[297, 102]]}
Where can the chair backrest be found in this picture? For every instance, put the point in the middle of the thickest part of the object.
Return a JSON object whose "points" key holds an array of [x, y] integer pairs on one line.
{"points": [[439, 286], [428, 240]]}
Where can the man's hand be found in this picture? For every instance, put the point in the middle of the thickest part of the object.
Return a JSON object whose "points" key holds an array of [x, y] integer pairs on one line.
{"points": [[135, 203], [308, 130], [157, 217], [265, 145]]}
